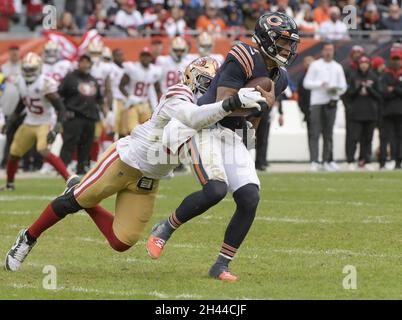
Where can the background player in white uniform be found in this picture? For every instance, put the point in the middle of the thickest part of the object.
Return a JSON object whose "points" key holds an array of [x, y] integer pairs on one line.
{"points": [[39, 96], [119, 99], [173, 65], [126, 170], [53, 66], [101, 72], [136, 86], [205, 46]]}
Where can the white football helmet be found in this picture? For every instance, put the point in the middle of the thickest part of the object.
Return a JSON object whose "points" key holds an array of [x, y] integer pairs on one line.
{"points": [[204, 44], [178, 49], [51, 52], [31, 67], [95, 50], [199, 74]]}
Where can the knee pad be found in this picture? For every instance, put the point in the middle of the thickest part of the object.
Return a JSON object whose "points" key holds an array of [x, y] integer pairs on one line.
{"points": [[65, 204], [215, 190], [247, 196]]}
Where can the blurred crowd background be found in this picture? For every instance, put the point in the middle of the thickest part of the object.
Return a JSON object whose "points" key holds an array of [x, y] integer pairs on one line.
{"points": [[172, 17]]}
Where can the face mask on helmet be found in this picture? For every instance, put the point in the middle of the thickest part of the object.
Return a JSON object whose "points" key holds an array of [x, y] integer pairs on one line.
{"points": [[31, 67], [51, 56], [199, 74]]}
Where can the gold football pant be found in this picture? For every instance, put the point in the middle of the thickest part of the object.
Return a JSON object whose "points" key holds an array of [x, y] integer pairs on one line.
{"points": [[135, 198], [26, 136]]}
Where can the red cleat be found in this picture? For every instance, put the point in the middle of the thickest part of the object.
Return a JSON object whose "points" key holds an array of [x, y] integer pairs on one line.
{"points": [[155, 246]]}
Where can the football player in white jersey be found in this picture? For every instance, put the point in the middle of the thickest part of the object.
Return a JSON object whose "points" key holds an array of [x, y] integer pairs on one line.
{"points": [[53, 66], [119, 99], [136, 85], [205, 45], [173, 65], [39, 97], [128, 169], [101, 72]]}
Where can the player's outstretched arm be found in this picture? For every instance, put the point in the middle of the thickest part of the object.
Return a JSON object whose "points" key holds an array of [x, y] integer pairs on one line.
{"points": [[198, 117], [58, 105]]}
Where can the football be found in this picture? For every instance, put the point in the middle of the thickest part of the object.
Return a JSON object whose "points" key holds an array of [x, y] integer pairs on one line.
{"points": [[264, 82]]}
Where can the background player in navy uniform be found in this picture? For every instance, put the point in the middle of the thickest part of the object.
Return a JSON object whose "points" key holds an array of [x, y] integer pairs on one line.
{"points": [[276, 36]]}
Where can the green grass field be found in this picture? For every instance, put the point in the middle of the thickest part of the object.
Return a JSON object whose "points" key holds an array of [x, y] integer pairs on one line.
{"points": [[308, 228]]}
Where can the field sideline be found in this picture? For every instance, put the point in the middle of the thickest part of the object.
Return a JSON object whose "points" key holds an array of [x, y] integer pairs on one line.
{"points": [[308, 227]]}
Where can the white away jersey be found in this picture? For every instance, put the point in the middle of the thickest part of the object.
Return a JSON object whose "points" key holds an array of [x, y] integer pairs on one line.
{"points": [[101, 71], [171, 71], [141, 79], [116, 73], [145, 150], [58, 70], [39, 109]]}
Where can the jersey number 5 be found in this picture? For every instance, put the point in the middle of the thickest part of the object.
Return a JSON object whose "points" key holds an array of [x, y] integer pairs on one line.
{"points": [[34, 105]]}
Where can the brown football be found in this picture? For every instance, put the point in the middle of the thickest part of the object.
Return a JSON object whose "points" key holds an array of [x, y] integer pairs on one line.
{"points": [[264, 82]]}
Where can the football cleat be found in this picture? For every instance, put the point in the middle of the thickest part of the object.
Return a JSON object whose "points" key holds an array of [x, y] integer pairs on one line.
{"points": [[8, 186], [157, 240], [71, 182], [18, 252], [221, 272]]}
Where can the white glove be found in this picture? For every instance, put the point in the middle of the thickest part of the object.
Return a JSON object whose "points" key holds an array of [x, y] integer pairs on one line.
{"points": [[132, 100], [250, 97]]}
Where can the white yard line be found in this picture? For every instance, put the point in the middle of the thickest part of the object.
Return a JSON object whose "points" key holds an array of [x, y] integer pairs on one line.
{"points": [[131, 293]]}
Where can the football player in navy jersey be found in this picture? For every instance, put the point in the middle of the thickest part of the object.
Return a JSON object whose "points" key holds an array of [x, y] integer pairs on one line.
{"points": [[276, 37]]}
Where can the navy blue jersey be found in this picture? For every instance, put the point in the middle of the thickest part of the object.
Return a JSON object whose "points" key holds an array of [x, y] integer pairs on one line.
{"points": [[242, 64]]}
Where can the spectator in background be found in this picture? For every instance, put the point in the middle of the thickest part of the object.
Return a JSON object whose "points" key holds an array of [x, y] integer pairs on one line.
{"points": [[326, 80], [154, 17], [378, 65], [112, 10], [128, 18], [391, 126], [98, 20], [7, 12], [175, 25], [321, 13], [364, 96], [193, 9], [370, 17], [210, 21], [254, 10], [283, 6], [82, 99], [234, 22], [34, 13], [304, 94], [354, 55], [334, 29], [305, 20], [394, 20], [66, 23], [80, 9]]}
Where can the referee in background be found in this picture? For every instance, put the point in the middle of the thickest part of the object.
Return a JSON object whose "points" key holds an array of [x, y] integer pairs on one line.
{"points": [[83, 100]]}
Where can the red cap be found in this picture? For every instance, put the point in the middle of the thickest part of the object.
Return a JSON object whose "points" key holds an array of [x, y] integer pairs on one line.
{"points": [[364, 59], [377, 61]]}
